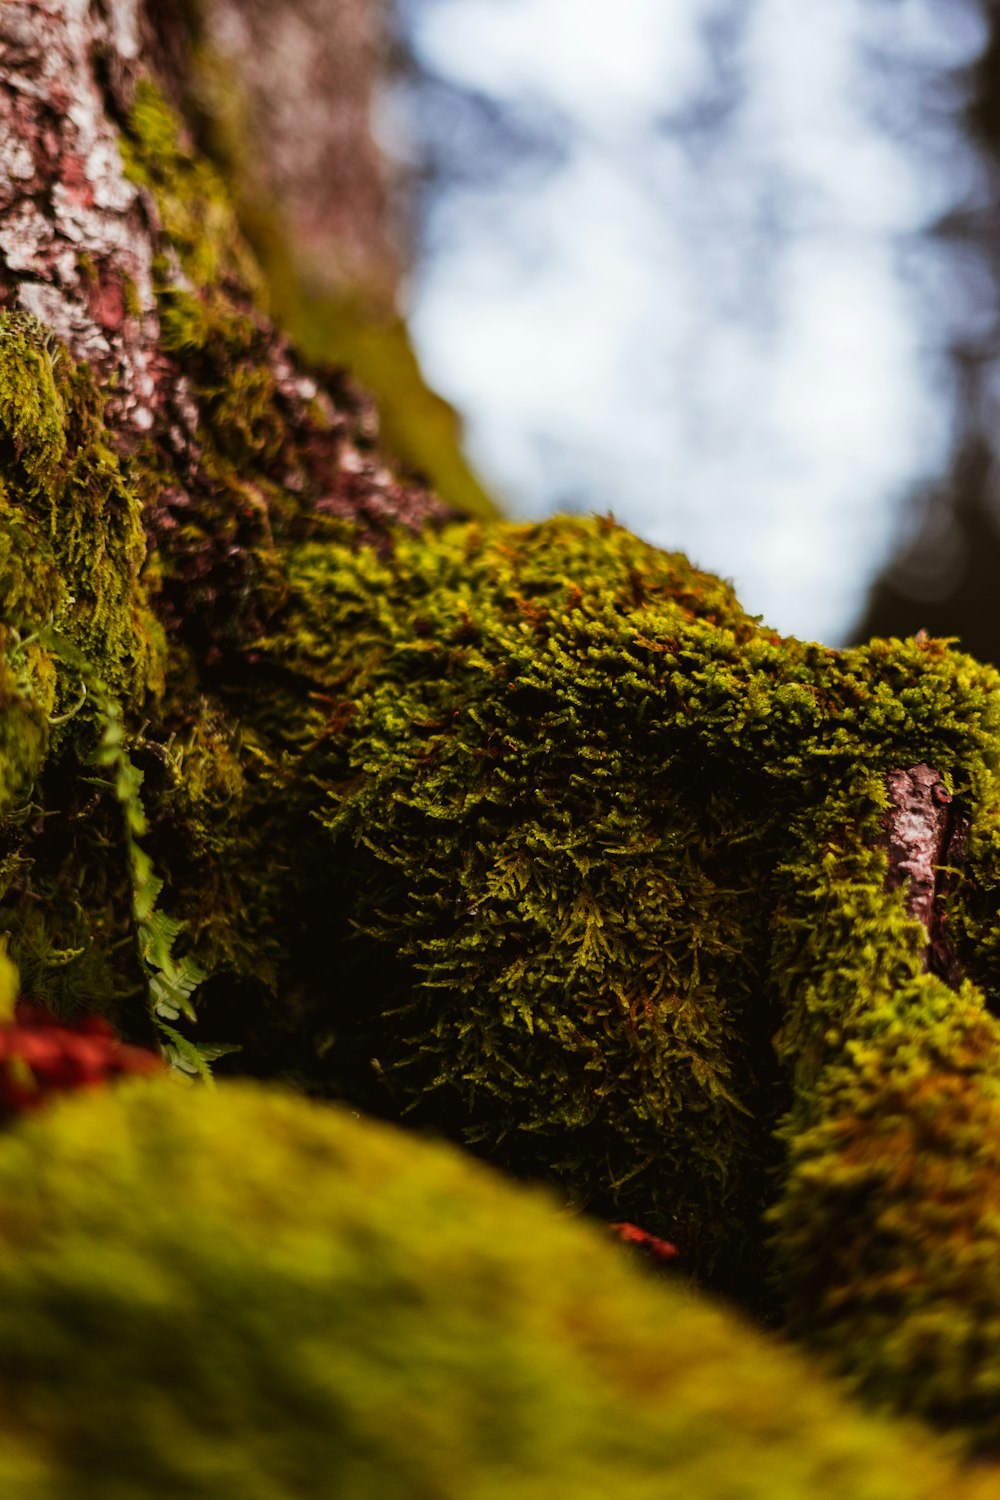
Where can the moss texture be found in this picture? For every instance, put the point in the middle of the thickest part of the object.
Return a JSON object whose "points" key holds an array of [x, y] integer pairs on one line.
{"points": [[527, 834], [71, 545], [589, 871], [583, 803], [247, 1294], [532, 835], [75, 616]]}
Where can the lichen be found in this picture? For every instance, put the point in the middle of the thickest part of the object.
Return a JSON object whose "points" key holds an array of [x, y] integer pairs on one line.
{"points": [[243, 1293]]}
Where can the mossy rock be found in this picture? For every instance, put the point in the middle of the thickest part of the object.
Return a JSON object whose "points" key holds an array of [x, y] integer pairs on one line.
{"points": [[244, 1293]]}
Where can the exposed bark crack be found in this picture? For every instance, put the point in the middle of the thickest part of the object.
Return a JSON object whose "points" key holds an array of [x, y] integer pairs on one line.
{"points": [[925, 833]]}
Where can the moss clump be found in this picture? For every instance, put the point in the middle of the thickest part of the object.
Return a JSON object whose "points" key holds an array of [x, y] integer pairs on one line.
{"points": [[889, 1230], [574, 794], [247, 1294], [484, 751], [75, 626], [71, 539]]}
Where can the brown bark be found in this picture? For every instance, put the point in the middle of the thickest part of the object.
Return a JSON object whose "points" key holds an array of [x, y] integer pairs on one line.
{"points": [[74, 234], [292, 88], [83, 250], [924, 837]]}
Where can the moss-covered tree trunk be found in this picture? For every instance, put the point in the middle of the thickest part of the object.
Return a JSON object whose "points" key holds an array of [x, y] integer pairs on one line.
{"points": [[526, 833], [163, 446], [97, 211]]}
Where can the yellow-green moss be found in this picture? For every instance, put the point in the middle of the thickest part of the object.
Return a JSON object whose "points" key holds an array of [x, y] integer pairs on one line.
{"points": [[193, 202], [889, 1229], [244, 1294], [71, 540], [73, 614], [603, 887]]}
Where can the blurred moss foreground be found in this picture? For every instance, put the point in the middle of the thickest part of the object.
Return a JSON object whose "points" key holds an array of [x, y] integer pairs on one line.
{"points": [[243, 1294]]}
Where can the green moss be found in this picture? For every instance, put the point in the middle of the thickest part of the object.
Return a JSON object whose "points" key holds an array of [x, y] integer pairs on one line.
{"points": [[71, 540], [193, 201], [603, 887], [75, 613], [241, 1293], [27, 698], [888, 1231], [552, 1006]]}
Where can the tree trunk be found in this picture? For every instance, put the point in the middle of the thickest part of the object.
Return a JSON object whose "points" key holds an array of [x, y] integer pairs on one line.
{"points": [[81, 233], [529, 833]]}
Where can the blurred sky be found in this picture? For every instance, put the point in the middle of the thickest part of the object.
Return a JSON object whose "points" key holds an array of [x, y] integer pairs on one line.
{"points": [[673, 264]]}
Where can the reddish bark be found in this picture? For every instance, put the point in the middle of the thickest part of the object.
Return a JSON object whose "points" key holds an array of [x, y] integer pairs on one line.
{"points": [[314, 157], [924, 835], [78, 242], [71, 226]]}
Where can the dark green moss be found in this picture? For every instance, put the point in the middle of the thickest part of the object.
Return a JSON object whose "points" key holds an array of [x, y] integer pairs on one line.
{"points": [[551, 1006], [74, 614], [604, 888], [244, 1294]]}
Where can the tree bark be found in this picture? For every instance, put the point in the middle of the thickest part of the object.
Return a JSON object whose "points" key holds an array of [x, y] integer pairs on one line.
{"points": [[78, 241], [73, 231], [925, 833]]}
